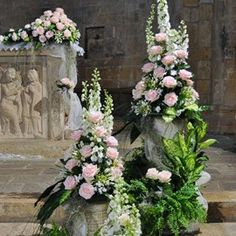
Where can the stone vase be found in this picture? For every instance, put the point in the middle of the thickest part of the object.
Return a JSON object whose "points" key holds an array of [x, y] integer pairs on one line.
{"points": [[153, 129], [88, 219]]}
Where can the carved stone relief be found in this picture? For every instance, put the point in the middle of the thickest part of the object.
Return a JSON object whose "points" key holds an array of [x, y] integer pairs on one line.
{"points": [[20, 103]]}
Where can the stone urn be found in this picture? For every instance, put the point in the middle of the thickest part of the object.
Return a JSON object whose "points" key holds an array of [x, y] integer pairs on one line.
{"points": [[153, 129], [87, 219]]}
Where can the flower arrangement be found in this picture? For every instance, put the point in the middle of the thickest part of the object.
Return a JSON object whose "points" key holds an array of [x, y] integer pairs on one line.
{"points": [[51, 27], [94, 165], [166, 88]]}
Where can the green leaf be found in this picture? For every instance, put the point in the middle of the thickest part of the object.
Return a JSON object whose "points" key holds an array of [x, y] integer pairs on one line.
{"points": [[182, 144], [191, 161], [192, 107], [171, 148], [201, 130], [207, 143], [65, 196]]}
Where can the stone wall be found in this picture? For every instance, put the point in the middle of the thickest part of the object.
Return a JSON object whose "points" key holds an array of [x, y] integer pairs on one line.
{"points": [[114, 40]]}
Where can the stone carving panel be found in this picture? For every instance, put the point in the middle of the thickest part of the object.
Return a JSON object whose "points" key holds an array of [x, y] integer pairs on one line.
{"points": [[20, 103]]}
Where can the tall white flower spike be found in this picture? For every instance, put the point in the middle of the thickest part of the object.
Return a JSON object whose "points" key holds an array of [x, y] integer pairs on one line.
{"points": [[163, 16]]}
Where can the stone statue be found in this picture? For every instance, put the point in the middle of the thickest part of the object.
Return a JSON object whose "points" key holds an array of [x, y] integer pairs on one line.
{"points": [[31, 98], [10, 104]]}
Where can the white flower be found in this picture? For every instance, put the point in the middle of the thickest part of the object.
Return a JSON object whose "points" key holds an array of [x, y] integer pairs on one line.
{"points": [[158, 109], [1, 38], [11, 30], [38, 21], [14, 36], [124, 219], [27, 26]]}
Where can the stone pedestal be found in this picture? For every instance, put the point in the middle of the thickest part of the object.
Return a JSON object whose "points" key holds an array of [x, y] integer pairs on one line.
{"points": [[30, 104]]}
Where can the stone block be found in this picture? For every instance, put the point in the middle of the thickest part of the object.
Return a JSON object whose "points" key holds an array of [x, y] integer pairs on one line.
{"points": [[191, 3], [194, 14], [204, 88], [204, 70], [205, 32], [31, 105], [229, 93], [206, 12]]}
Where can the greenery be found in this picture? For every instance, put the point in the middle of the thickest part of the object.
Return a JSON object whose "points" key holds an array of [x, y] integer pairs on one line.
{"points": [[55, 230]]}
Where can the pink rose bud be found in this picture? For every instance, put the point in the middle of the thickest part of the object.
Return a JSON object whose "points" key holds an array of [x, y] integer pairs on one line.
{"points": [[47, 13], [137, 94], [140, 86], [70, 183], [170, 99], [86, 191], [159, 72], [181, 54], [35, 33], [100, 131], [148, 67], [42, 39], [95, 116], [112, 153], [116, 172], [152, 95], [46, 23], [155, 50], [168, 60], [86, 151], [169, 82], [189, 82], [89, 171], [60, 10], [161, 37], [40, 30], [67, 33], [70, 164], [111, 141], [185, 74], [152, 173], [76, 135], [54, 19], [49, 34], [164, 176], [60, 26], [195, 94]]}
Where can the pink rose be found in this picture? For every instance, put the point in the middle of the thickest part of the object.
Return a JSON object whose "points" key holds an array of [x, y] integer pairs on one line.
{"points": [[169, 82], [76, 135], [155, 50], [195, 94], [95, 116], [49, 34], [70, 164], [56, 14], [164, 176], [23, 35], [42, 39], [67, 33], [148, 67], [184, 74], [46, 23], [140, 86], [159, 72], [100, 131], [64, 19], [137, 94], [152, 173], [161, 37], [86, 151], [70, 183], [116, 172], [170, 99], [35, 33], [112, 153], [168, 60], [86, 191], [181, 54], [152, 95], [40, 30], [189, 82], [68, 82], [47, 13], [60, 10], [54, 19], [111, 141], [60, 26], [89, 171]]}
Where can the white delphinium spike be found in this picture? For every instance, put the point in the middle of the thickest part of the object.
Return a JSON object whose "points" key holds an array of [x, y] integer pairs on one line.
{"points": [[163, 16], [149, 31]]}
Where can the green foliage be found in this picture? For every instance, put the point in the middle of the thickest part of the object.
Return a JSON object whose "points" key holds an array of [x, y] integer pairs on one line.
{"points": [[55, 230], [149, 32], [184, 153], [172, 212]]}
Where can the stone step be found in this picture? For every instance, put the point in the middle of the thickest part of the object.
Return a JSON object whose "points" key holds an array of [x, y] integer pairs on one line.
{"points": [[20, 207], [32, 229], [222, 206]]}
